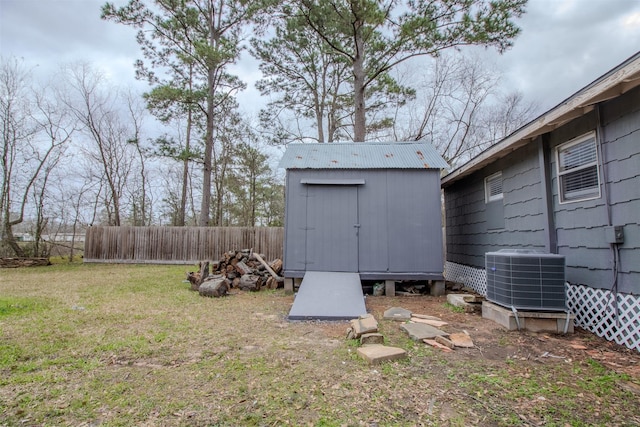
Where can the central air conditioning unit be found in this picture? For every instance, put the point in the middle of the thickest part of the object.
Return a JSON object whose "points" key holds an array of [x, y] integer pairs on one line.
{"points": [[526, 279]]}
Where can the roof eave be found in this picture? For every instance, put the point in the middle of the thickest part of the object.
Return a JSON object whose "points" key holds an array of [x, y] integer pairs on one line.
{"points": [[611, 85]]}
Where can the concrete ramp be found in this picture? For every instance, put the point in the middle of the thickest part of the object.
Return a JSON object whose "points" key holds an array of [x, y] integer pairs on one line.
{"points": [[327, 295]]}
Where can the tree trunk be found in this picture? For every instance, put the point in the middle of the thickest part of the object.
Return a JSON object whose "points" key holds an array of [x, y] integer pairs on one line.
{"points": [[359, 120], [205, 206], [182, 210], [9, 239]]}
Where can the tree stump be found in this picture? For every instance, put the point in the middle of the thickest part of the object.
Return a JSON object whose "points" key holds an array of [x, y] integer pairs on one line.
{"points": [[196, 278]]}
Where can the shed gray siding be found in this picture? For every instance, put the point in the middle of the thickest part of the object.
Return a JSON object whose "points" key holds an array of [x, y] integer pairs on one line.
{"points": [[578, 227], [398, 213]]}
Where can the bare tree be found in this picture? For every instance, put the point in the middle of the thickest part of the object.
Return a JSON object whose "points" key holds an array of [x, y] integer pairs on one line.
{"points": [[460, 108], [139, 191], [112, 124], [33, 132], [70, 202]]}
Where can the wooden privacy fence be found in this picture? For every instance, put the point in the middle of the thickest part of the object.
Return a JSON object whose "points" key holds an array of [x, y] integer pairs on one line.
{"points": [[177, 245]]}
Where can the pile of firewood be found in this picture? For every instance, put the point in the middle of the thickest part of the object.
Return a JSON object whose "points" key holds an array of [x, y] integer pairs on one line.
{"points": [[244, 270]]}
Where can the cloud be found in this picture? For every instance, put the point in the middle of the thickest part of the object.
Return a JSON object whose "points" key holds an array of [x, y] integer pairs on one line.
{"points": [[565, 45]]}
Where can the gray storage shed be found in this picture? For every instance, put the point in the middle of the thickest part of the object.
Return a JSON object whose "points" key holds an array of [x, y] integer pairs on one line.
{"points": [[370, 208]]}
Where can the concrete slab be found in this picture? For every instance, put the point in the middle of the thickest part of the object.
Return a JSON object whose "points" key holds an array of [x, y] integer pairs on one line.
{"points": [[327, 295], [421, 331], [377, 353], [397, 313], [534, 321]]}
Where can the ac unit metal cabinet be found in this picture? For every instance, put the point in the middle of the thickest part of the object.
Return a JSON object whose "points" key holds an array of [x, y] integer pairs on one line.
{"points": [[526, 279]]}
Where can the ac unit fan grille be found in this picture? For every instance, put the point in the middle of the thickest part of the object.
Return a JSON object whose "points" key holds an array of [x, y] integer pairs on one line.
{"points": [[529, 281]]}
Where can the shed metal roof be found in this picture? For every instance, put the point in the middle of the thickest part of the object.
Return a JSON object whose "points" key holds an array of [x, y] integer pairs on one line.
{"points": [[362, 155]]}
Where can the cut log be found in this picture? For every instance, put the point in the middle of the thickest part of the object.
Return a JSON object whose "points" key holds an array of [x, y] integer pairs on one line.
{"points": [[262, 261], [215, 288], [196, 278], [23, 262], [272, 283], [250, 282], [204, 271], [276, 266], [243, 268]]}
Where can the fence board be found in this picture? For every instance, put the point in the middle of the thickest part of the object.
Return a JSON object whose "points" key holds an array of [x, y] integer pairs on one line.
{"points": [[177, 245]]}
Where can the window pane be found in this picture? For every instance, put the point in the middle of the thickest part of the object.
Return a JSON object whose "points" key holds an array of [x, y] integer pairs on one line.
{"points": [[580, 184], [578, 155]]}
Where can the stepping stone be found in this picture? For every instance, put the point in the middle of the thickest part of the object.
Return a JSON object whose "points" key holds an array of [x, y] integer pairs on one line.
{"points": [[365, 324], [397, 313], [461, 339], [374, 338], [420, 331], [464, 301], [445, 341], [377, 353], [436, 344], [436, 323], [425, 316]]}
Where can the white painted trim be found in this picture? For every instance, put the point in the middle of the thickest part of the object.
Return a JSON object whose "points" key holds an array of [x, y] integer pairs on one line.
{"points": [[575, 141], [487, 188]]}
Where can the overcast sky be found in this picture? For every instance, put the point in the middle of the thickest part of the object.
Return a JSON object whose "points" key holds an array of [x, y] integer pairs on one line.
{"points": [[564, 44]]}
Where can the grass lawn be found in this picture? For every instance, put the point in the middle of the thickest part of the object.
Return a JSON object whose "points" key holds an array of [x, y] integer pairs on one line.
{"points": [[123, 345]]}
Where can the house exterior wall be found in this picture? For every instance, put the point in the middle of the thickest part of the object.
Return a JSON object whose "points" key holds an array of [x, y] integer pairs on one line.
{"points": [[399, 217], [469, 234], [579, 228]]}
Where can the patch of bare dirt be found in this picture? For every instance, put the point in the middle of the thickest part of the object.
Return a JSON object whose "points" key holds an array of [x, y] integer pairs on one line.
{"points": [[493, 342]]}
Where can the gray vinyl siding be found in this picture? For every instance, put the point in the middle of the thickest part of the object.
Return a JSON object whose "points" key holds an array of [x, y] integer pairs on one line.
{"points": [[579, 227], [399, 217], [468, 233]]}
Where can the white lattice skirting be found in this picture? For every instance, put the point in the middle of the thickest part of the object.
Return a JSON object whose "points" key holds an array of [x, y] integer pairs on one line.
{"points": [[613, 317], [474, 278]]}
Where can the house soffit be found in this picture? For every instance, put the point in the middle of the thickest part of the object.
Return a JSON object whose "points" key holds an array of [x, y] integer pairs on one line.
{"points": [[617, 82]]}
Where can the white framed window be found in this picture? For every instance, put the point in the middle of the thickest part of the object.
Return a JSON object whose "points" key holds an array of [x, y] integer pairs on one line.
{"points": [[493, 187], [577, 167]]}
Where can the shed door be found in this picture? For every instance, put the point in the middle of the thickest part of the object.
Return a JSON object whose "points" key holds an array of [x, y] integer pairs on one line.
{"points": [[332, 228]]}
